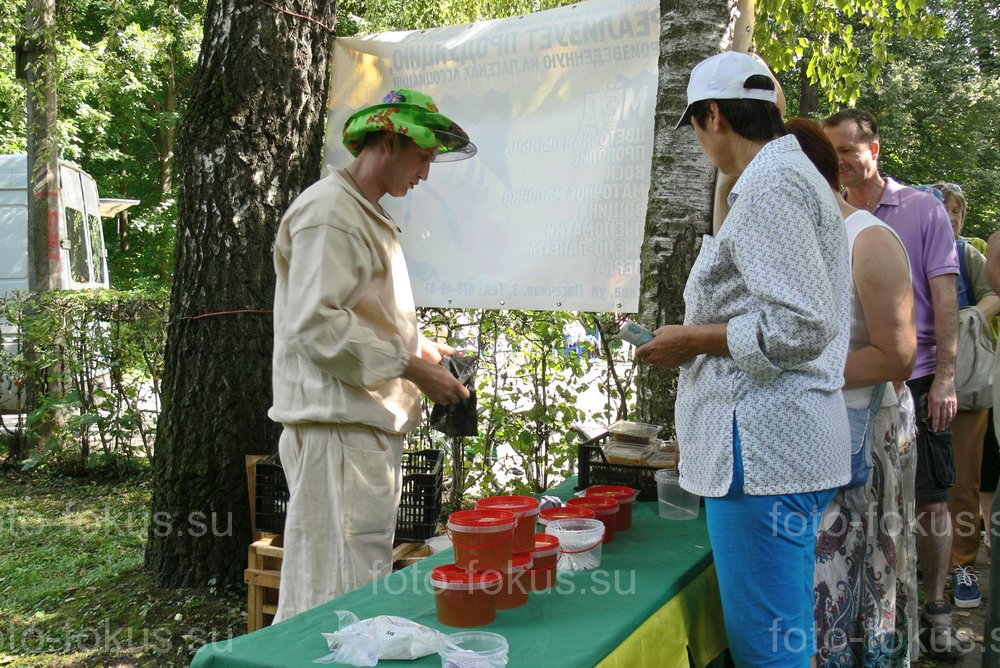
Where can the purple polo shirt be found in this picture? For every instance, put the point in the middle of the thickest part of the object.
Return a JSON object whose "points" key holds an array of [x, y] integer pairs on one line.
{"points": [[922, 222]]}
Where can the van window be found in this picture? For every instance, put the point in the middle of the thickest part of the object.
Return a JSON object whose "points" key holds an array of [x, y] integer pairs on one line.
{"points": [[97, 248], [79, 268]]}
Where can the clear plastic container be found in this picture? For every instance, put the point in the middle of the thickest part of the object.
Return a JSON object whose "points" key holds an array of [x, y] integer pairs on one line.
{"points": [[550, 515], [473, 648], [580, 543], [544, 557], [675, 502], [605, 509], [525, 508], [627, 453], [624, 431], [625, 496], [516, 582]]}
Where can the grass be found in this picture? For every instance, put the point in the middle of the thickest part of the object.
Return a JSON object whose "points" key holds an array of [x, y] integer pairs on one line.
{"points": [[73, 591]]}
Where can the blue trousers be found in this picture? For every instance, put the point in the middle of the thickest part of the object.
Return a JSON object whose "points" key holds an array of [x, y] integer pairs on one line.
{"points": [[764, 549]]}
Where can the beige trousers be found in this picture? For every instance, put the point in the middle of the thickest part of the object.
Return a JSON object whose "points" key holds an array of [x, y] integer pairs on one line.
{"points": [[344, 483]]}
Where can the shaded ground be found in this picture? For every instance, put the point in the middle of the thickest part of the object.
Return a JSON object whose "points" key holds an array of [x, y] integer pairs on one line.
{"points": [[72, 588]]}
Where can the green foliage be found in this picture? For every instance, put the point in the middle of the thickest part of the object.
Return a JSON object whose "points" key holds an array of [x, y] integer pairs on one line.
{"points": [[374, 17], [843, 44], [96, 358], [529, 386]]}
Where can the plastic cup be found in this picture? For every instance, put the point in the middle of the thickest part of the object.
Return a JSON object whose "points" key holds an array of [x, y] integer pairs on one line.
{"points": [[675, 502], [580, 543], [473, 648]]}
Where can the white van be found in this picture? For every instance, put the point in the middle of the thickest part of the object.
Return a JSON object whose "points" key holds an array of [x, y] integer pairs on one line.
{"points": [[83, 259]]}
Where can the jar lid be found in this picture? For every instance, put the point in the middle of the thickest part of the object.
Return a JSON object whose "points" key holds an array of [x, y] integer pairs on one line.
{"points": [[601, 505], [521, 561], [481, 521], [618, 492], [564, 512], [451, 576], [545, 544], [519, 505]]}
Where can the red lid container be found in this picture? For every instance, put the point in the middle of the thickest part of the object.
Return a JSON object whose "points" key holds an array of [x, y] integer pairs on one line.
{"points": [[482, 538], [564, 513], [465, 598], [525, 507], [605, 509], [516, 584], [546, 556], [625, 496]]}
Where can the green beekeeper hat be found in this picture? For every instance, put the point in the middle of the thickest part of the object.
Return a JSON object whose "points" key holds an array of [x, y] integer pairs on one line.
{"points": [[413, 114]]}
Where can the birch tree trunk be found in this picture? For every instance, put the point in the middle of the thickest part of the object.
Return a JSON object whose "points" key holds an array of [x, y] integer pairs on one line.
{"points": [[682, 186], [250, 142]]}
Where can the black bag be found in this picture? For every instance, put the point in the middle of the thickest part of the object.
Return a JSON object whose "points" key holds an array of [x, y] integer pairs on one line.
{"points": [[459, 419]]}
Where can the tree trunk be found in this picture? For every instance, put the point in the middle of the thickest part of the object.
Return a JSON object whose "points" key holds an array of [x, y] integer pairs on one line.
{"points": [[251, 141], [167, 132], [808, 92], [682, 186]]}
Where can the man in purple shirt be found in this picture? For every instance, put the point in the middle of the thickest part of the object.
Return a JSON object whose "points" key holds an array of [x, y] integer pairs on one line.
{"points": [[922, 223]]}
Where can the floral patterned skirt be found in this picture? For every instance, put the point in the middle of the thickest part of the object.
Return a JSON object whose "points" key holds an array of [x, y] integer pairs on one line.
{"points": [[861, 564]]}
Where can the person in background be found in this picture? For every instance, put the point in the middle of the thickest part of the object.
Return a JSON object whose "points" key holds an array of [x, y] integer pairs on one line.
{"points": [[969, 430], [991, 632], [349, 361], [921, 222], [761, 423], [955, 202], [860, 582]]}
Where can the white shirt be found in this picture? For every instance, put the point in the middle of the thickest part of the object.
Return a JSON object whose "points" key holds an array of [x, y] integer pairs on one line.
{"points": [[778, 274], [345, 325]]}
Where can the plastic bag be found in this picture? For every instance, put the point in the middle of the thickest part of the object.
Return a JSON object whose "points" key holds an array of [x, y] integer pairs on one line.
{"points": [[363, 643], [459, 419]]}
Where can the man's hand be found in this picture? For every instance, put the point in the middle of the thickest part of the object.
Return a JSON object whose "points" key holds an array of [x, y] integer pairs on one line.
{"points": [[432, 351], [435, 381], [670, 347], [942, 404]]}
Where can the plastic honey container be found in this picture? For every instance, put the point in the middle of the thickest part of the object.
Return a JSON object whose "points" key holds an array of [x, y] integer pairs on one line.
{"points": [[545, 555], [563, 513], [605, 509], [525, 507], [625, 496], [465, 598], [482, 538], [516, 583]]}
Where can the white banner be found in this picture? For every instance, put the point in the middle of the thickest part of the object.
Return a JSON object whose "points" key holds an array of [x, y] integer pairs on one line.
{"points": [[550, 213]]}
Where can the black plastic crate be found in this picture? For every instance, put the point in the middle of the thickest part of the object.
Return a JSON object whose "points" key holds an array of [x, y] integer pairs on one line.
{"points": [[271, 496], [593, 468], [420, 501]]}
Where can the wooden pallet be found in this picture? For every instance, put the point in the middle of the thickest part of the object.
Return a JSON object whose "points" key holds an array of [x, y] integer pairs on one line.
{"points": [[263, 578]]}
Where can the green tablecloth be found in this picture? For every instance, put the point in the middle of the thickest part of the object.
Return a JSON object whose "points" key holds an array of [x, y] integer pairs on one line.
{"points": [[579, 622]]}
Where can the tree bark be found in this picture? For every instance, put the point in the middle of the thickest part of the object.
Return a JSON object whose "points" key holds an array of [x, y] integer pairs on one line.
{"points": [[808, 92], [682, 186], [250, 142], [167, 133]]}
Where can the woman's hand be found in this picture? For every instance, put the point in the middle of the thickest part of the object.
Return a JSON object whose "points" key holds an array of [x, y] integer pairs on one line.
{"points": [[671, 346]]}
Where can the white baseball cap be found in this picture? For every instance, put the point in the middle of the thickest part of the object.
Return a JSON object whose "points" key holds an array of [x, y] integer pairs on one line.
{"points": [[723, 77]]}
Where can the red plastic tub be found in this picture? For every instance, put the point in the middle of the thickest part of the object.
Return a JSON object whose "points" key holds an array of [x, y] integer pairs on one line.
{"points": [[514, 592], [465, 598], [625, 496], [525, 507], [605, 509], [482, 538], [545, 555], [563, 513]]}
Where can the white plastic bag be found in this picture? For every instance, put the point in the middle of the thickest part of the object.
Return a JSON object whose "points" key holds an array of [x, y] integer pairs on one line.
{"points": [[363, 643]]}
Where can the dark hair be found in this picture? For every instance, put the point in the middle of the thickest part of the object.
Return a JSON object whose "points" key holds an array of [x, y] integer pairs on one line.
{"points": [[756, 120], [867, 126], [817, 148]]}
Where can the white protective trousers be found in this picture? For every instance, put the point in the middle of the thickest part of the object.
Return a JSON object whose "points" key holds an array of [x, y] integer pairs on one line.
{"points": [[344, 485]]}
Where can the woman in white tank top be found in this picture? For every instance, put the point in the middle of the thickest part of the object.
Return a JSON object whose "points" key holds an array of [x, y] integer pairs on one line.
{"points": [[865, 611]]}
